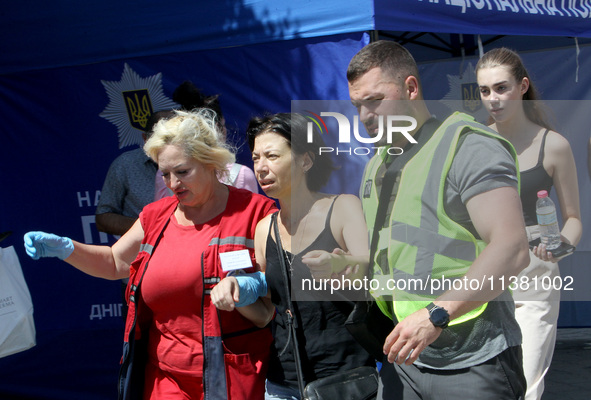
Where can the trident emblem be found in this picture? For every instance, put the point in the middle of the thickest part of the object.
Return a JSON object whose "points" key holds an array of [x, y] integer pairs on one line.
{"points": [[139, 107], [471, 97]]}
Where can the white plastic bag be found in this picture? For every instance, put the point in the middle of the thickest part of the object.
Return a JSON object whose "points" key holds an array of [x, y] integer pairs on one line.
{"points": [[17, 327]]}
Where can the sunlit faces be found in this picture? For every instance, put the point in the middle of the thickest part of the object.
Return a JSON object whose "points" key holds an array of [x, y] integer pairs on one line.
{"points": [[370, 94], [191, 182], [500, 92], [272, 160]]}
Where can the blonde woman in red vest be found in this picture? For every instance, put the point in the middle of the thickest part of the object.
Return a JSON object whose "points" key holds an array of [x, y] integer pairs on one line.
{"points": [[545, 161], [177, 344]]}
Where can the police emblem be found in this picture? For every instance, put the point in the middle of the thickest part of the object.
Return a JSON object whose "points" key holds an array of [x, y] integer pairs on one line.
{"points": [[139, 107], [131, 102], [464, 94], [471, 97]]}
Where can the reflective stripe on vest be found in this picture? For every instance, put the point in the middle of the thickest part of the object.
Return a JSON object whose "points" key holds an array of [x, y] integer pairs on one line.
{"points": [[239, 240], [148, 248], [424, 243]]}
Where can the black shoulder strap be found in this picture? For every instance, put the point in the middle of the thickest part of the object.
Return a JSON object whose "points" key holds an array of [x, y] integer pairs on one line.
{"points": [[289, 312], [327, 223], [541, 153]]}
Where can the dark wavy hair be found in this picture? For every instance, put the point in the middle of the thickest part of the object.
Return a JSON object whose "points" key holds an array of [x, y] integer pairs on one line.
{"points": [[294, 128], [190, 97]]}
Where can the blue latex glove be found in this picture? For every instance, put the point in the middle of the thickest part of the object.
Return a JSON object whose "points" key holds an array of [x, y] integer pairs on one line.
{"points": [[41, 244], [252, 286]]}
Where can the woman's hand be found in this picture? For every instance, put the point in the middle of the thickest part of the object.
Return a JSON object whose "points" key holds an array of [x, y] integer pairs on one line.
{"points": [[245, 293], [226, 294], [239, 290], [543, 254], [351, 268], [41, 244], [325, 265], [320, 262]]}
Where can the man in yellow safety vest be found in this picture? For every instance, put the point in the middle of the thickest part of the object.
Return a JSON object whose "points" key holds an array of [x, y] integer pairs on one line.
{"points": [[447, 235]]}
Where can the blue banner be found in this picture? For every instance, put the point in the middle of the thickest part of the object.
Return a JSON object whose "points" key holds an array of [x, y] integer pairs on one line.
{"points": [[496, 17]]}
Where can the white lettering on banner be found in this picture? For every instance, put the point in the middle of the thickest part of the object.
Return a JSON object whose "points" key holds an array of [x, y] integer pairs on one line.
{"points": [[95, 312], [100, 311], [553, 8], [506, 5], [480, 4], [87, 221], [84, 199], [108, 310]]}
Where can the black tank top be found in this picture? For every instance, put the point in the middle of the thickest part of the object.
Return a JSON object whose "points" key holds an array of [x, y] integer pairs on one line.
{"points": [[532, 181], [326, 347]]}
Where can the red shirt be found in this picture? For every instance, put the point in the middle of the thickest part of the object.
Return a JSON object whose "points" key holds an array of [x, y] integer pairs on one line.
{"points": [[172, 286], [172, 289]]}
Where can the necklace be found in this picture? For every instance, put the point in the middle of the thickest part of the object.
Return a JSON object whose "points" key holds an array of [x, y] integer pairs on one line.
{"points": [[289, 260], [293, 251]]}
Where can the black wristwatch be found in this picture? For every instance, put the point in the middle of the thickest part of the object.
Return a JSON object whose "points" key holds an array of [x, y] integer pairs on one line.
{"points": [[438, 316]]}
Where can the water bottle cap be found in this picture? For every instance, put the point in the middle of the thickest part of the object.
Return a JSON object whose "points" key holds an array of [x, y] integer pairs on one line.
{"points": [[542, 194]]}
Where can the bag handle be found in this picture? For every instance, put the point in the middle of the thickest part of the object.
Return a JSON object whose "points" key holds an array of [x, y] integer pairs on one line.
{"points": [[290, 315]]}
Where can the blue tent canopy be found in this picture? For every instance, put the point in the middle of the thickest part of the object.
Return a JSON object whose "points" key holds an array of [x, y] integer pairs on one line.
{"points": [[63, 33]]}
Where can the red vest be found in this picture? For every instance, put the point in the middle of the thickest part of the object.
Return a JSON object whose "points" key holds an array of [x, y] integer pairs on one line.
{"points": [[235, 351]]}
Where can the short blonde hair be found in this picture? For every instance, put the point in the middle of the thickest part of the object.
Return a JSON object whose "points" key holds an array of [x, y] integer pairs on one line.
{"points": [[195, 132]]}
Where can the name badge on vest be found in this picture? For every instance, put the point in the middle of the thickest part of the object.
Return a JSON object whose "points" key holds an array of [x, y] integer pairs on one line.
{"points": [[367, 189], [233, 260]]}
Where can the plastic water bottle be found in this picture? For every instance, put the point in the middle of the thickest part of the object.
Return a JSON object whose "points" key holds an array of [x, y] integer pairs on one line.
{"points": [[546, 213]]}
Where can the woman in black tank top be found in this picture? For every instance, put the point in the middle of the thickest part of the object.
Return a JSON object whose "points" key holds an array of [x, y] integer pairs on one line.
{"points": [[323, 236], [545, 160]]}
